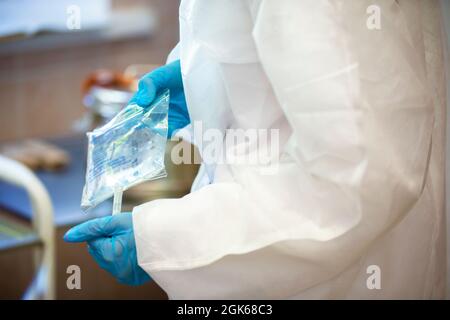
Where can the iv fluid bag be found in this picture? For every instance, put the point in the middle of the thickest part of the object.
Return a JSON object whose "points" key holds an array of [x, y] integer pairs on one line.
{"points": [[126, 151]]}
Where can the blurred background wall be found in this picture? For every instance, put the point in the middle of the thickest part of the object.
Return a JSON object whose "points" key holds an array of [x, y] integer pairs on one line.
{"points": [[40, 89]]}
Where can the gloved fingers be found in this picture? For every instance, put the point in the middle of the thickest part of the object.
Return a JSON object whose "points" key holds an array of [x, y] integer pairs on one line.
{"points": [[88, 230], [110, 255], [176, 121], [178, 113], [102, 248], [146, 92], [100, 255], [114, 255], [168, 76], [98, 228]]}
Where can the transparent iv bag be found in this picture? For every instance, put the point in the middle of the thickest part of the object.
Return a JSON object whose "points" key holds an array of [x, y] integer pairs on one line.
{"points": [[125, 152]]}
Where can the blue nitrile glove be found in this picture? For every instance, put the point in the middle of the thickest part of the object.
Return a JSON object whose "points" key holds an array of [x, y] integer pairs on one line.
{"points": [[111, 242], [153, 83]]}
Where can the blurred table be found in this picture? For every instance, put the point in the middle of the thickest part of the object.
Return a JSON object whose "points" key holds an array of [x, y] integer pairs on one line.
{"points": [[17, 239], [65, 188], [15, 232]]}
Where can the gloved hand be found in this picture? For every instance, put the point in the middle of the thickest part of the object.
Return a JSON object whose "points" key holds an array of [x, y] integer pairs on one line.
{"points": [[111, 242], [165, 77]]}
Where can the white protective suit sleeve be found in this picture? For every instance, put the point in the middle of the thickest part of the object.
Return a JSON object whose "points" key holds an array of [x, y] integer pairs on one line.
{"points": [[361, 117]]}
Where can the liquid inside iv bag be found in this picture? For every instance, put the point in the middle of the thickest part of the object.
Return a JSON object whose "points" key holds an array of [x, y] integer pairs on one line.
{"points": [[126, 151]]}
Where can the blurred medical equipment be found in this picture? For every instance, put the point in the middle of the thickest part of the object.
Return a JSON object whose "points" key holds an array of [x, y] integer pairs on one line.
{"points": [[105, 93], [111, 242], [126, 151], [43, 284]]}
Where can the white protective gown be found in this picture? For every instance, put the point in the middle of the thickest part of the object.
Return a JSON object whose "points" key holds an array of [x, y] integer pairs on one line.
{"points": [[358, 183]]}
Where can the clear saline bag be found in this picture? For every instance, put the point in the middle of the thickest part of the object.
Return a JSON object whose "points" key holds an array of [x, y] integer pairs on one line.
{"points": [[125, 152]]}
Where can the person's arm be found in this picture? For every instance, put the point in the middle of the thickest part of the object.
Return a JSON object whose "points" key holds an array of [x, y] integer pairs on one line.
{"points": [[355, 164]]}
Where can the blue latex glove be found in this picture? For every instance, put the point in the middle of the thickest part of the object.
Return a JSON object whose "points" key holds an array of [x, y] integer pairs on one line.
{"points": [[111, 242], [165, 77]]}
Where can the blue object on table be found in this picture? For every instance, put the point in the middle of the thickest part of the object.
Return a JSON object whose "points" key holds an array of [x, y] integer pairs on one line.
{"points": [[65, 188]]}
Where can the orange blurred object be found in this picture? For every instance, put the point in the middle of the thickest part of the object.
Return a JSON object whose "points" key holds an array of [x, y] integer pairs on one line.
{"points": [[108, 79]]}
